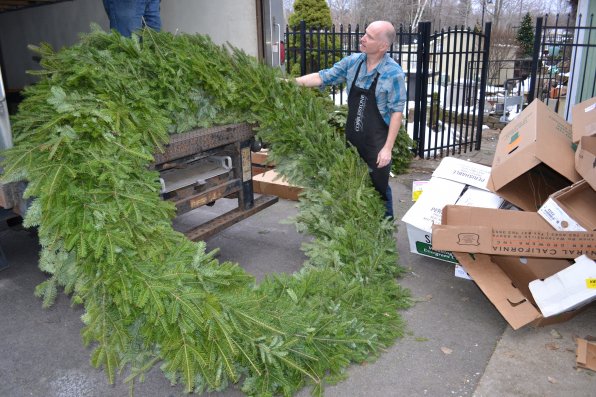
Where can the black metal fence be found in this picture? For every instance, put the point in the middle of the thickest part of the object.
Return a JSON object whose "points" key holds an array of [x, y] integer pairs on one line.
{"points": [[453, 74], [564, 62], [309, 50], [444, 112]]}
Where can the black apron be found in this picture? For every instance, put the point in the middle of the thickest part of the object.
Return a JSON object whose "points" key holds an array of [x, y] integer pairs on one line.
{"points": [[367, 131]]}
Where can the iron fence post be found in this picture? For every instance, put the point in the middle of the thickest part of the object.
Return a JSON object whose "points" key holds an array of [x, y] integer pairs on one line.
{"points": [[535, 58], [302, 48], [287, 48], [422, 66], [483, 80]]}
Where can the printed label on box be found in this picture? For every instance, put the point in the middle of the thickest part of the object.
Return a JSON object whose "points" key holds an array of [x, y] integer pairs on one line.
{"points": [[463, 171], [591, 283], [557, 244], [425, 249], [558, 218], [417, 189]]}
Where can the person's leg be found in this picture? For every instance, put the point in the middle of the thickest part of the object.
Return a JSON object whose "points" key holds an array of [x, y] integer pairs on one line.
{"points": [[124, 15], [380, 180], [389, 203], [152, 14]]}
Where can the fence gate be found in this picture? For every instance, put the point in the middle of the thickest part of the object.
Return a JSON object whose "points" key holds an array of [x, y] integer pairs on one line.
{"points": [[446, 74], [451, 79]]}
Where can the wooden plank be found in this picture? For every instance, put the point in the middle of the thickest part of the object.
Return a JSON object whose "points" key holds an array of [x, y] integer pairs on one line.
{"points": [[197, 200], [216, 225]]}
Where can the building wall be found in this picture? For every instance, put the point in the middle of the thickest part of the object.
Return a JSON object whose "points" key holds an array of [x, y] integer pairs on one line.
{"points": [[232, 21], [57, 24], [60, 24], [586, 89]]}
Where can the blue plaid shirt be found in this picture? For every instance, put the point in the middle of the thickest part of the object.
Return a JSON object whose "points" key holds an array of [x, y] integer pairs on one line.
{"points": [[391, 87]]}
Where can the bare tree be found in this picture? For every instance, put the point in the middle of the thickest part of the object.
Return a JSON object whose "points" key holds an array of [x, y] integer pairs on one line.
{"points": [[419, 12], [444, 13], [502, 47], [504, 14], [341, 11], [465, 10], [399, 12]]}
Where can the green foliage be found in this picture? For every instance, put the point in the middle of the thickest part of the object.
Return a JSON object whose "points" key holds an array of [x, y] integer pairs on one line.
{"points": [[315, 13], [435, 112], [84, 139], [322, 51], [525, 36], [402, 154], [337, 117]]}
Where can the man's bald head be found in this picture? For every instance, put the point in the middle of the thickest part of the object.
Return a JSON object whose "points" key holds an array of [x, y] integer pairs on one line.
{"points": [[386, 29]]}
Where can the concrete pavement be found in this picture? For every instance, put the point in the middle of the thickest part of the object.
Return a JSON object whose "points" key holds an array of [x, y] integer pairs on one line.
{"points": [[456, 343]]}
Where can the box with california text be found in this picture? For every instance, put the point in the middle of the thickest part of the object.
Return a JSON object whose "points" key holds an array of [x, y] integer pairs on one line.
{"points": [[513, 233], [453, 182]]}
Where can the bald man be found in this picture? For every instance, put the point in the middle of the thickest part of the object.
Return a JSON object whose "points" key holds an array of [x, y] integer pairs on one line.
{"points": [[376, 100]]}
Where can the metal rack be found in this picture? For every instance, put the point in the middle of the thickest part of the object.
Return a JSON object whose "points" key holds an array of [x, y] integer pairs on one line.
{"points": [[201, 166]]}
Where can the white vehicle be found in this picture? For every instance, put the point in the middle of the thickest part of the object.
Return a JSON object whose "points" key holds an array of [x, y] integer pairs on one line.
{"points": [[255, 26]]}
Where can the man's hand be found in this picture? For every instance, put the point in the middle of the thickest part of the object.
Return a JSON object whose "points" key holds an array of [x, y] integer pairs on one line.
{"points": [[384, 157]]}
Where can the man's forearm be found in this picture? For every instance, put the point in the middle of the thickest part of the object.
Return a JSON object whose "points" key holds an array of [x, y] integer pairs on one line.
{"points": [[394, 125], [310, 80]]}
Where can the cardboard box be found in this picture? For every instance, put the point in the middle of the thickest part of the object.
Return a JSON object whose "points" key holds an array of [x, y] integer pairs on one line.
{"points": [[567, 289], [272, 183], [426, 211], [586, 354], [453, 182], [256, 170], [462, 171], [260, 158], [260, 162], [504, 281], [460, 272], [534, 158], [502, 232], [417, 188], [583, 119], [585, 159], [571, 209]]}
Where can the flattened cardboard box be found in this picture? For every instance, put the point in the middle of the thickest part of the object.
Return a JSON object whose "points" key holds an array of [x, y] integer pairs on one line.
{"points": [[502, 232], [272, 183], [534, 158], [585, 159], [571, 209], [583, 119], [508, 291], [567, 289], [586, 354]]}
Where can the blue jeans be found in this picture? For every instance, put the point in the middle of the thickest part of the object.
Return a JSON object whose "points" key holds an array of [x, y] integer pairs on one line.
{"points": [[127, 16], [389, 203]]}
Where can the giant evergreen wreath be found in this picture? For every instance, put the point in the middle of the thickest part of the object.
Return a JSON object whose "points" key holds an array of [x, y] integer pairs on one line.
{"points": [[84, 137]]}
